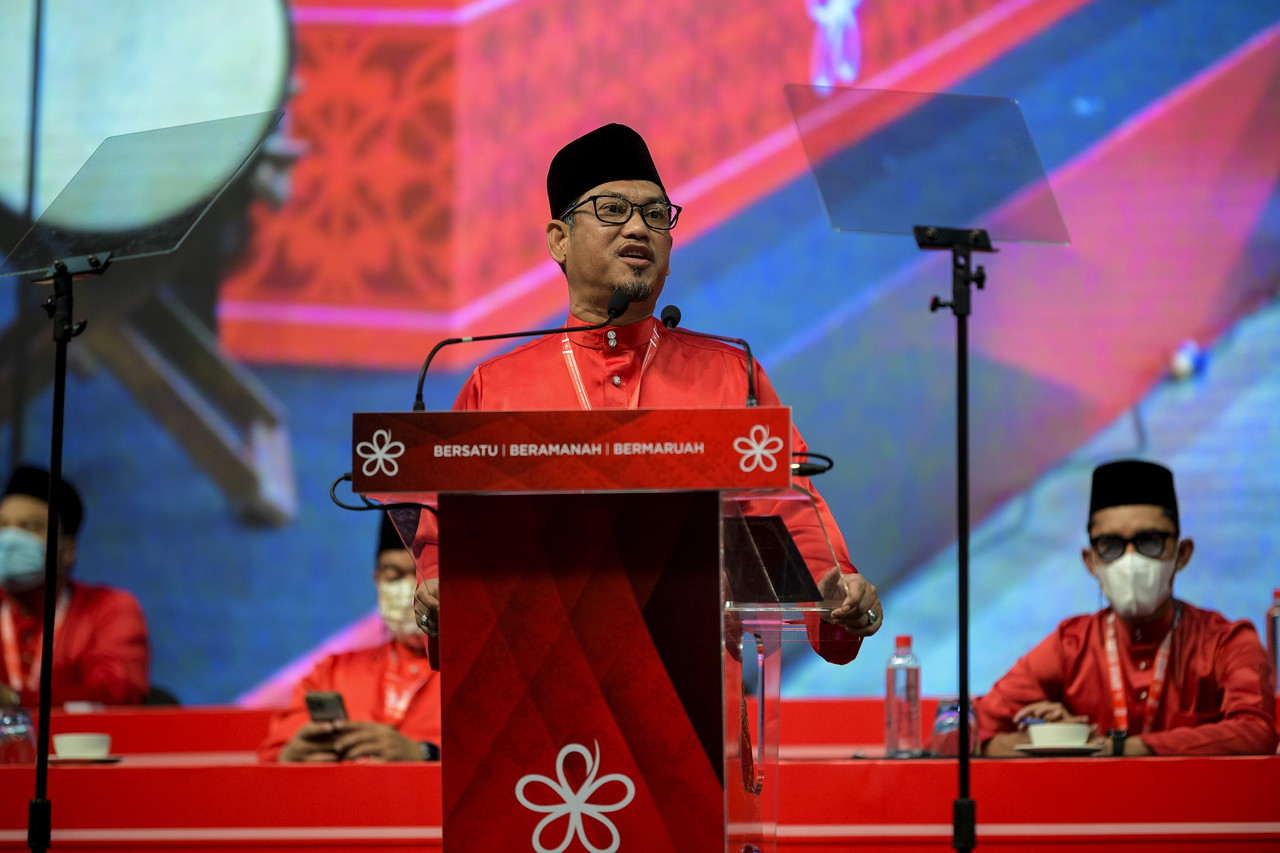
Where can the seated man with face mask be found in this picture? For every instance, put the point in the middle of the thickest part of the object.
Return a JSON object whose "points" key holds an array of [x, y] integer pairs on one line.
{"points": [[1154, 675], [391, 694], [100, 650]]}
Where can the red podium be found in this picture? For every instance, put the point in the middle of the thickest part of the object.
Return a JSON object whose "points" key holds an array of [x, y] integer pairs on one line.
{"points": [[612, 581]]}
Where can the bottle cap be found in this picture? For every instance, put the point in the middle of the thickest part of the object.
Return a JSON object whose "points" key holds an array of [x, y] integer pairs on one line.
{"points": [[902, 641]]}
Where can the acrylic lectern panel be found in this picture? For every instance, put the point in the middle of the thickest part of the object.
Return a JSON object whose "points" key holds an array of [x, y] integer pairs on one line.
{"points": [[595, 675]]}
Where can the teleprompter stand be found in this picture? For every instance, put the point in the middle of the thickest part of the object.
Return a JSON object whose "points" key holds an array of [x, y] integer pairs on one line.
{"points": [[962, 243], [124, 186], [887, 161]]}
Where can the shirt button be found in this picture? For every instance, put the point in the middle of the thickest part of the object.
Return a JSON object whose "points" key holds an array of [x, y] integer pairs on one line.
{"points": [[613, 342], [1142, 695], [617, 380], [1142, 664], [612, 334]]}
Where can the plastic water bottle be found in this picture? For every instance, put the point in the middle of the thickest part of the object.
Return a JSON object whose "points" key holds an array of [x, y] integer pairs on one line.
{"points": [[1273, 632], [902, 702]]}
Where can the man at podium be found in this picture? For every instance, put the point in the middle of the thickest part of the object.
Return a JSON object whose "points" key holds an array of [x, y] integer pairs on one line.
{"points": [[610, 231]]}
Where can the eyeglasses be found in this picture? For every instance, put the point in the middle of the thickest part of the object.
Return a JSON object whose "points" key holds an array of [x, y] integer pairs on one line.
{"points": [[612, 210], [1149, 543]]}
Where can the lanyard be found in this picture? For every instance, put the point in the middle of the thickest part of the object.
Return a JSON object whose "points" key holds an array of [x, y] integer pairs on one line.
{"points": [[1119, 701], [575, 376], [397, 692], [12, 654]]}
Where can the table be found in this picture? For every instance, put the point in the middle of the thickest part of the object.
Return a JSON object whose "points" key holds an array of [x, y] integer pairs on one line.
{"points": [[189, 781]]}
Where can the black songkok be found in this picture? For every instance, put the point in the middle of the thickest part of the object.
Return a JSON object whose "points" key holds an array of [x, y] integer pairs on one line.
{"points": [[614, 152], [1131, 481], [29, 480]]}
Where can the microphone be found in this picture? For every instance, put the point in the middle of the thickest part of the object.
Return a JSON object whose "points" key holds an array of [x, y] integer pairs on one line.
{"points": [[618, 304], [671, 318]]}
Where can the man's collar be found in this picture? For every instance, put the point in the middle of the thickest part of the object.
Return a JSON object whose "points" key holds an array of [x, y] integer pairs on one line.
{"points": [[630, 336], [1148, 633]]}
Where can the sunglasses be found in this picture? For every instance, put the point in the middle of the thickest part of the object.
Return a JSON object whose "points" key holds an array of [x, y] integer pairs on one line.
{"points": [[1148, 543]]}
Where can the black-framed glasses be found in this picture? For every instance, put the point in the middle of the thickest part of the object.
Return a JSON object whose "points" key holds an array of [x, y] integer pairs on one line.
{"points": [[1148, 543], [614, 210]]}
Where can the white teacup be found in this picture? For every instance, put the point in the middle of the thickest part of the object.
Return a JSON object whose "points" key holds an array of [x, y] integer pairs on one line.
{"points": [[82, 745], [1059, 734]]}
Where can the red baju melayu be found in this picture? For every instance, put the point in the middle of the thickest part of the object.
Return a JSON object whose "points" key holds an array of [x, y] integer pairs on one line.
{"points": [[385, 684], [1218, 695], [100, 651], [646, 365]]}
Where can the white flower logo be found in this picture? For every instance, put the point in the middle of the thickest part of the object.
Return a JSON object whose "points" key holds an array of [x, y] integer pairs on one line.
{"points": [[575, 804], [380, 454], [758, 450]]}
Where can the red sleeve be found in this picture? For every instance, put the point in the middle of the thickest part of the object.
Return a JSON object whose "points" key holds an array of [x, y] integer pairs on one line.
{"points": [[426, 544], [817, 536], [1037, 676], [1247, 724], [286, 722], [106, 651]]}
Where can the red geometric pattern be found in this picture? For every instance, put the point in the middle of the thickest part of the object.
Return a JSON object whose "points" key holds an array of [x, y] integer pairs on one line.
{"points": [[594, 631], [367, 220]]}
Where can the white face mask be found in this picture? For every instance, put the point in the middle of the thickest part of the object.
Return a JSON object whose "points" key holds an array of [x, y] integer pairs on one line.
{"points": [[395, 606], [1136, 585], [21, 560]]}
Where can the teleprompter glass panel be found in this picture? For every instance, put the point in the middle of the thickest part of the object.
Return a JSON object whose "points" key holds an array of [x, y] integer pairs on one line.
{"points": [[888, 161]]}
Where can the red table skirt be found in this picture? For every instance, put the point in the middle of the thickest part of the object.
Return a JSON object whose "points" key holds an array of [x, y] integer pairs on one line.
{"points": [[201, 789]]}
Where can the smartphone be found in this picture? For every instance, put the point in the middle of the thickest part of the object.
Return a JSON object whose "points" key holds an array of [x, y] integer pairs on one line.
{"points": [[326, 706]]}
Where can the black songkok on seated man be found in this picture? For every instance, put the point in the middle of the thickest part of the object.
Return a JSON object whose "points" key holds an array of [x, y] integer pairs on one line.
{"points": [[29, 480], [388, 537], [614, 152], [1130, 482]]}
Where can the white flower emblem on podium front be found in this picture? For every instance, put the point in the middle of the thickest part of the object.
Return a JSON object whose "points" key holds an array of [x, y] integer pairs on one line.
{"points": [[380, 455], [576, 804], [758, 449]]}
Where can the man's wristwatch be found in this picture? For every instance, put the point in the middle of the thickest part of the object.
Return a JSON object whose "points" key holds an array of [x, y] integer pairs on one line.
{"points": [[429, 751], [1117, 740]]}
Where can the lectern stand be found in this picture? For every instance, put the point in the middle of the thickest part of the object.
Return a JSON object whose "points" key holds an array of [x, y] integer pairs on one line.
{"points": [[593, 632]]}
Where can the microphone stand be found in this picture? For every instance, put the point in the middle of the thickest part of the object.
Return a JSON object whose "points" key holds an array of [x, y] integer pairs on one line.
{"points": [[59, 308], [962, 242]]}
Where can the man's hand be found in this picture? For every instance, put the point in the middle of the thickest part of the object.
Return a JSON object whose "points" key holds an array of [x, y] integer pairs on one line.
{"points": [[312, 742], [858, 610], [1005, 744], [426, 602], [1050, 712], [373, 741]]}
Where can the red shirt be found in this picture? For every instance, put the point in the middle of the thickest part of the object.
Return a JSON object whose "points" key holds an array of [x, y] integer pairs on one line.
{"points": [[363, 678], [100, 652], [683, 371], [1219, 695]]}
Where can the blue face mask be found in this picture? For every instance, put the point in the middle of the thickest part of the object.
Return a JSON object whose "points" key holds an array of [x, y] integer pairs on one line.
{"points": [[21, 560]]}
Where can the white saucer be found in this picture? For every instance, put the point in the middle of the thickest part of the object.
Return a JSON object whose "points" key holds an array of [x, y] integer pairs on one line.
{"points": [[106, 759], [1032, 749]]}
